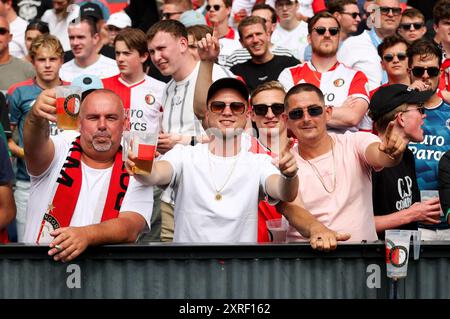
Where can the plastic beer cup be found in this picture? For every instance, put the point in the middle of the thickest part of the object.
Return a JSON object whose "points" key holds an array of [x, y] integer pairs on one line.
{"points": [[68, 101]]}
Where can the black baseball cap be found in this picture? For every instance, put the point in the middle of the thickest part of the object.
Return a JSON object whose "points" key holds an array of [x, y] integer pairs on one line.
{"points": [[389, 97], [92, 10], [228, 83]]}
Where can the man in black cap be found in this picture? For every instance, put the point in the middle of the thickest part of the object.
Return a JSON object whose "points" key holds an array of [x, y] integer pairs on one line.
{"points": [[395, 193], [218, 184]]}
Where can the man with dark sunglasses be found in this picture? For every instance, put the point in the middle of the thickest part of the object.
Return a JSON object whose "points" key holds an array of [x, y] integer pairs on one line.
{"points": [[268, 114], [412, 25], [219, 184], [348, 15], [173, 9], [334, 169], [395, 192], [345, 89], [360, 52], [425, 60]]}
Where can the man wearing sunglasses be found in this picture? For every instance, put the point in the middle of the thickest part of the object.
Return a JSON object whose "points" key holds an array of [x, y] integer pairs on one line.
{"points": [[360, 52], [218, 13], [173, 9], [395, 193], [348, 15], [263, 66], [412, 25], [17, 27], [270, 119], [345, 89], [334, 169], [219, 184], [425, 64]]}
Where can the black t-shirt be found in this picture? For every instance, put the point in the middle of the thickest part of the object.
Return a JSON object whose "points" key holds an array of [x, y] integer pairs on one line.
{"points": [[395, 188], [143, 13], [444, 182], [256, 74], [4, 116], [6, 172], [106, 50]]}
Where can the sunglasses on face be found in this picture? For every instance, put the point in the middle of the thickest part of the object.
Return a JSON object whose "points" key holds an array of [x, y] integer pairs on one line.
{"points": [[168, 15], [218, 107], [216, 7], [3, 31], [395, 10], [407, 26], [262, 109], [401, 56], [354, 15], [321, 30], [420, 109], [419, 71], [313, 110]]}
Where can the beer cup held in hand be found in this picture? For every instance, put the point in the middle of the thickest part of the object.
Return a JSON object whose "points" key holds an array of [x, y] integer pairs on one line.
{"points": [[144, 148], [68, 101]]}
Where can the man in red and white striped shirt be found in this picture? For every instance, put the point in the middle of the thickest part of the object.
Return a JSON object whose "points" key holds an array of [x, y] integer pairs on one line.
{"points": [[345, 89]]}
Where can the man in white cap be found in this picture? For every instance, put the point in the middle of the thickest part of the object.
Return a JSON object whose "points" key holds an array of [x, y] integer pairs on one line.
{"points": [[116, 22]]}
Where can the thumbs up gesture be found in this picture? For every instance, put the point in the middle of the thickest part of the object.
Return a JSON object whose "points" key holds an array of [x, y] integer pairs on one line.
{"points": [[208, 47]]}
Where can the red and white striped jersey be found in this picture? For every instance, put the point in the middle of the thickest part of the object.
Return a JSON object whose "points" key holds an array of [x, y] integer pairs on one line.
{"points": [[141, 98], [336, 84]]}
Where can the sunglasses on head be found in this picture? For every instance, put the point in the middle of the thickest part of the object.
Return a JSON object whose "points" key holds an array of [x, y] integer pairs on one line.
{"points": [[313, 110], [419, 71], [3, 31], [218, 107], [407, 26], [354, 15], [395, 10], [262, 109], [389, 57], [321, 30], [216, 7]]}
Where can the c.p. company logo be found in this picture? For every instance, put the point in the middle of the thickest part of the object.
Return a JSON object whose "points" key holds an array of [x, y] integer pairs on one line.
{"points": [[397, 256], [72, 105]]}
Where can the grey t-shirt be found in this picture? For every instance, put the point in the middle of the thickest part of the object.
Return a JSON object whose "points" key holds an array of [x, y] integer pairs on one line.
{"points": [[14, 71]]}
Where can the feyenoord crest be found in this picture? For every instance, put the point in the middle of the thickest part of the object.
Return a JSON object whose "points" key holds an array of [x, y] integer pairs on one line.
{"points": [[149, 99], [396, 255], [72, 105], [338, 82]]}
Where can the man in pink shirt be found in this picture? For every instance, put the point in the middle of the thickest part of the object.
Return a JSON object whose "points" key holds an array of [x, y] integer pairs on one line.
{"points": [[334, 169]]}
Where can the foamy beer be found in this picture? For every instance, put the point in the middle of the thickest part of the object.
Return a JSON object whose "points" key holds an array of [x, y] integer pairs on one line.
{"points": [[68, 100], [144, 148]]}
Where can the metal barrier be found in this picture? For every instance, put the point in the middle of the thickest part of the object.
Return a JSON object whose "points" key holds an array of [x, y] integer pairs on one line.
{"points": [[260, 271]]}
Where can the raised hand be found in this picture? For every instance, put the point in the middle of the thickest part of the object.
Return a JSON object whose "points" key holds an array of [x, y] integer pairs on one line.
{"points": [[287, 163], [45, 105], [393, 145], [208, 47]]}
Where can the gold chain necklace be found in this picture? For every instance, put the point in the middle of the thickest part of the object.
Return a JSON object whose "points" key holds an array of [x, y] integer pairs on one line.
{"points": [[316, 171], [218, 195]]}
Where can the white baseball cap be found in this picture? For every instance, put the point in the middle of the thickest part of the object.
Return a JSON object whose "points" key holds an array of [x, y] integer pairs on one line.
{"points": [[119, 19]]}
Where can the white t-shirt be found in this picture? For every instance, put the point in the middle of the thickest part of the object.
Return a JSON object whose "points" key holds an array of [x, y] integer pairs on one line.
{"points": [[91, 199], [228, 44], [17, 46], [59, 27], [347, 174], [295, 40], [104, 67], [359, 53], [197, 173]]}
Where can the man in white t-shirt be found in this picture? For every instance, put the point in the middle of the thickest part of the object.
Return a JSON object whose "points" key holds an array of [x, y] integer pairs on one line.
{"points": [[290, 33], [218, 184], [345, 89], [78, 187], [335, 169], [59, 18], [84, 38], [360, 52], [17, 27], [167, 43]]}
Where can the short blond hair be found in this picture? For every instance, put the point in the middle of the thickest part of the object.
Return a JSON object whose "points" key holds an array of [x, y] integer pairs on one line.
{"points": [[46, 41]]}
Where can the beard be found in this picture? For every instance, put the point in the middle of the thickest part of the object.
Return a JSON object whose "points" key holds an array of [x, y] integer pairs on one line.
{"points": [[102, 146]]}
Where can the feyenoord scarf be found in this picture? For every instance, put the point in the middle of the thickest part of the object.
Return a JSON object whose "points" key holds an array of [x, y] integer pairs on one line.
{"points": [[61, 210]]}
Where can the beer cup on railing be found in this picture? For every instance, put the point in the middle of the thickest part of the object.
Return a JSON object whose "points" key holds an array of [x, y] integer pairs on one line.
{"points": [[68, 101]]}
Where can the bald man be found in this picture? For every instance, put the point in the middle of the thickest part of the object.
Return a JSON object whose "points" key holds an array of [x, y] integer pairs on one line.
{"points": [[77, 187]]}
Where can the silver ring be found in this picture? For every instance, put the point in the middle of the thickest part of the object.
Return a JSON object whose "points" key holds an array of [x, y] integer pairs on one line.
{"points": [[58, 247]]}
